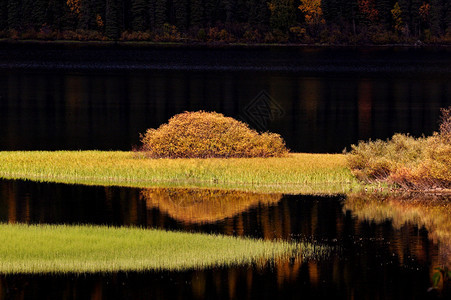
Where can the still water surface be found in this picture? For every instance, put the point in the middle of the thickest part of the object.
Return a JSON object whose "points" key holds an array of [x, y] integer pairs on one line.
{"points": [[319, 100], [375, 253]]}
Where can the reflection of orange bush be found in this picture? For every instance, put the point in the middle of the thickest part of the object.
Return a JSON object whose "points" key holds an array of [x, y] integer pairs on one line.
{"points": [[431, 211], [204, 205]]}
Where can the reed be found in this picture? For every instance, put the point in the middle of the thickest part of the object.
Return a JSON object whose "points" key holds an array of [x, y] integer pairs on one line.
{"points": [[296, 173], [34, 249]]}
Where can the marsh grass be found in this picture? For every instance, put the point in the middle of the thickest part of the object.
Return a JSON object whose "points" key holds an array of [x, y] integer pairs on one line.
{"points": [[296, 173], [84, 249]]}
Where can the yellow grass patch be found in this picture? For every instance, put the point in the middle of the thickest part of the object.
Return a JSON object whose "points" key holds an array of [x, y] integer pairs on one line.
{"points": [[296, 173]]}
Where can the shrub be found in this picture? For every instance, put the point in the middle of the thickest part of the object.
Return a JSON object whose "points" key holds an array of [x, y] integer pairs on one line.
{"points": [[252, 36], [136, 36], [445, 125], [202, 35], [414, 163], [209, 134]]}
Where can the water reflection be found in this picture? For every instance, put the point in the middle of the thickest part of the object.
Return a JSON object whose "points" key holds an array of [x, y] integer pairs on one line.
{"points": [[429, 212], [199, 206], [68, 110], [389, 258]]}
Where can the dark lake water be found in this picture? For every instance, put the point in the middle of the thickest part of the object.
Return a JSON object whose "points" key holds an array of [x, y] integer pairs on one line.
{"points": [[319, 100], [371, 257]]}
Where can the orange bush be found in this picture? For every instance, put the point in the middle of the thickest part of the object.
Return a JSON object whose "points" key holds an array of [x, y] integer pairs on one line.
{"points": [[209, 134], [413, 163]]}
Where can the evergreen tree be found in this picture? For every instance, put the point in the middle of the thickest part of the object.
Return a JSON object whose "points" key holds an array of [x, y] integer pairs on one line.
{"points": [[26, 13], [282, 14], [87, 15], [436, 17], [151, 14], [139, 8], [258, 12], [331, 10], [229, 8], [447, 16], [56, 14], [405, 6], [39, 12], [180, 13], [111, 19], [14, 14], [196, 13], [210, 8], [384, 7], [3, 14], [157, 13], [415, 17], [241, 14], [124, 16]]}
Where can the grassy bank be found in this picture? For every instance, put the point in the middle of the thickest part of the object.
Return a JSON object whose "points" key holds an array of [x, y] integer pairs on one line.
{"points": [[297, 173], [85, 249]]}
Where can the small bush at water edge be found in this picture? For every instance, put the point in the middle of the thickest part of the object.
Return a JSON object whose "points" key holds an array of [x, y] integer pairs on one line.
{"points": [[413, 163], [209, 134]]}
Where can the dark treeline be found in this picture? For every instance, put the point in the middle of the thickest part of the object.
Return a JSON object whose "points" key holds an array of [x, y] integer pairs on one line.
{"points": [[299, 21]]}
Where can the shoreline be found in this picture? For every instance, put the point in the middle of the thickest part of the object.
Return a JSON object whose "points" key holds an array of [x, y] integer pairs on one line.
{"points": [[309, 60], [209, 45]]}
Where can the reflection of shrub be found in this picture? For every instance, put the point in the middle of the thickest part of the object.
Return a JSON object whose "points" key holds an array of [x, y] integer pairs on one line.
{"points": [[407, 161], [204, 134], [429, 211], [204, 205]]}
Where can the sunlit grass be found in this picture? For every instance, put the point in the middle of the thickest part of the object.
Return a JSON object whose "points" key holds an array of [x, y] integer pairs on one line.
{"points": [[296, 173], [85, 249]]}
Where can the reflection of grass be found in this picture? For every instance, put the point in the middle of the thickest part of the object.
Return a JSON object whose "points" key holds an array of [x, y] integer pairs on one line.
{"points": [[296, 173], [79, 249], [204, 205]]}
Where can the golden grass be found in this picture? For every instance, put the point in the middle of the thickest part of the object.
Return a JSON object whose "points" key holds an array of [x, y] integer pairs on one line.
{"points": [[297, 173], [32, 249]]}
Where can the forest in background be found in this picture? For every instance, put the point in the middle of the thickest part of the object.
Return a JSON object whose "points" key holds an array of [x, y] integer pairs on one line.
{"points": [[337, 22]]}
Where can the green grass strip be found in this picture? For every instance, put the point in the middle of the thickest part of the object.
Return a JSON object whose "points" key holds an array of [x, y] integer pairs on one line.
{"points": [[298, 173], [32, 249]]}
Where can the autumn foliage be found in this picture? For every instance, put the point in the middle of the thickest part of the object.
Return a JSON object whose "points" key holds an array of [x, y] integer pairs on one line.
{"points": [[368, 9], [209, 134], [413, 163]]}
